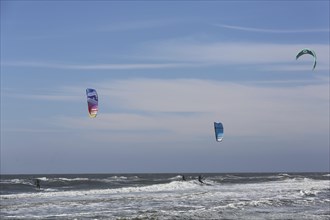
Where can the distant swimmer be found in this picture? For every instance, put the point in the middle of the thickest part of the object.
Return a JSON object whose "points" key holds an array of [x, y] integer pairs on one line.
{"points": [[37, 183], [200, 179], [183, 178]]}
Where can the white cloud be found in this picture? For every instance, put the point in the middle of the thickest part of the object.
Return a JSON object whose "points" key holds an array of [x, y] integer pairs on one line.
{"points": [[191, 53], [186, 109], [265, 30], [46, 94], [50, 97], [136, 25], [178, 110], [235, 53], [113, 66]]}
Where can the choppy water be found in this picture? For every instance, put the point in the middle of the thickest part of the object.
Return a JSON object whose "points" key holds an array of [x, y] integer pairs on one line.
{"points": [[166, 196]]}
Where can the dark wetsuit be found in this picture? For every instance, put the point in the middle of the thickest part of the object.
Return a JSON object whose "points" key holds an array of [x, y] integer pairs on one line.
{"points": [[200, 179], [37, 183]]}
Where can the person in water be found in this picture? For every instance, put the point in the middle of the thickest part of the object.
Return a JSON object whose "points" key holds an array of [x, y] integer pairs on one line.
{"points": [[200, 179], [37, 182], [183, 178]]}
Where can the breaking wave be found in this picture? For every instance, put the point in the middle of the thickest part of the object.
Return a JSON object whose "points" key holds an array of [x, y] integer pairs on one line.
{"points": [[156, 196]]}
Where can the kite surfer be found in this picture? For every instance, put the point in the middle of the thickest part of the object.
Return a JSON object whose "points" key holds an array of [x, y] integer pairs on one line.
{"points": [[200, 179], [37, 183]]}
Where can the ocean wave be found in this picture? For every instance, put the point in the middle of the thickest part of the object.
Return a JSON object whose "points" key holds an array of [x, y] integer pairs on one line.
{"points": [[309, 193], [114, 179], [299, 188], [175, 199], [233, 177], [42, 178], [48, 190], [71, 179], [238, 204], [165, 187], [65, 179], [119, 177], [229, 178], [178, 177], [17, 181], [85, 179]]}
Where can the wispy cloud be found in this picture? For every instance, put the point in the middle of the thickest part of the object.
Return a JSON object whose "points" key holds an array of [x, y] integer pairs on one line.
{"points": [[127, 66], [274, 31], [48, 97], [135, 25], [61, 94], [29, 130], [182, 53], [151, 103], [185, 109], [234, 53]]}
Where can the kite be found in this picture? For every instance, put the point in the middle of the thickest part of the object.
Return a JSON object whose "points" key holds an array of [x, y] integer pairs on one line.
{"points": [[92, 101], [307, 51], [218, 129]]}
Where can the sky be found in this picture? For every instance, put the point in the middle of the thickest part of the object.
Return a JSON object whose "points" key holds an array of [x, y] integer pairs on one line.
{"points": [[165, 71]]}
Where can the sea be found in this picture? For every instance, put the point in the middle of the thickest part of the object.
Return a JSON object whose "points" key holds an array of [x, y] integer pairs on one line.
{"points": [[166, 196]]}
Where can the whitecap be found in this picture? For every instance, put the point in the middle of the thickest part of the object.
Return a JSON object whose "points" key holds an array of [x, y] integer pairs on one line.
{"points": [[308, 192], [73, 179], [17, 181], [42, 178], [118, 177], [176, 177]]}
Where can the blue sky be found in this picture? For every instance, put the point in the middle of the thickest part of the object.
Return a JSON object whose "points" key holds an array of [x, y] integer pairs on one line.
{"points": [[164, 72]]}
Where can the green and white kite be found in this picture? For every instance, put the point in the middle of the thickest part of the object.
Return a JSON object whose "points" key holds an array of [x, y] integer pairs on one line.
{"points": [[307, 51]]}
